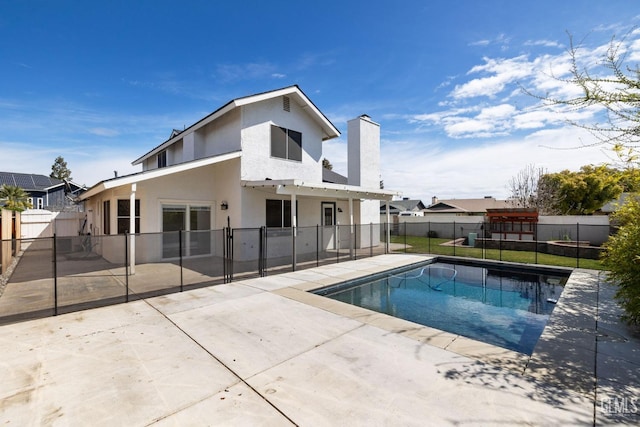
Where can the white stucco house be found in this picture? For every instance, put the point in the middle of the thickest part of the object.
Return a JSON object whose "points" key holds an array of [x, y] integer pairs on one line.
{"points": [[256, 161]]}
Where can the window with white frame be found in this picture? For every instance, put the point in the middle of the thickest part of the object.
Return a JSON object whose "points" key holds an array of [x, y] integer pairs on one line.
{"points": [[286, 143], [124, 215]]}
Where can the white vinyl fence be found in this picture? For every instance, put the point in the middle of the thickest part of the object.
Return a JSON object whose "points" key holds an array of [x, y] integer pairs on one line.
{"points": [[42, 223]]}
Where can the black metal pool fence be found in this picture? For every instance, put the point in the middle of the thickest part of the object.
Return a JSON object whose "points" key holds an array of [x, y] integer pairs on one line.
{"points": [[62, 274]]}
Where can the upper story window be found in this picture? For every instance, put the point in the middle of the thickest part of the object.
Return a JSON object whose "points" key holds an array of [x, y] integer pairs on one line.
{"points": [[286, 143], [162, 159]]}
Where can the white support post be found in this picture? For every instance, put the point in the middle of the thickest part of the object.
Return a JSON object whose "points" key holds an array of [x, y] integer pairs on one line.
{"points": [[132, 229]]}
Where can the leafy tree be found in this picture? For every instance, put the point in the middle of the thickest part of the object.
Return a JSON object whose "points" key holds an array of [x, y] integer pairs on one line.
{"points": [[14, 198], [583, 192], [327, 164], [59, 170], [622, 259]]}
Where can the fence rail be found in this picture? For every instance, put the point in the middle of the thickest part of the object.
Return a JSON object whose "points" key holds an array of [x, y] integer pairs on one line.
{"points": [[55, 275]]}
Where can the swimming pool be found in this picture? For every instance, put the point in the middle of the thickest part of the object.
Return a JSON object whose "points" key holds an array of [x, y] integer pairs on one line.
{"points": [[494, 304]]}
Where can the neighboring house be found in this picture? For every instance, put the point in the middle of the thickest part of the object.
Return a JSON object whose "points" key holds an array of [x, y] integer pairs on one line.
{"points": [[256, 161], [404, 205], [44, 192], [464, 207], [614, 205]]}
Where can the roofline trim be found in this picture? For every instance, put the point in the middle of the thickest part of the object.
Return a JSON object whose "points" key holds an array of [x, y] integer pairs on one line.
{"points": [[333, 132]]}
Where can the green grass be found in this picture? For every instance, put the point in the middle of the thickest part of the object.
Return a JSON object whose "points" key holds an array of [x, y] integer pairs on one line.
{"points": [[426, 245]]}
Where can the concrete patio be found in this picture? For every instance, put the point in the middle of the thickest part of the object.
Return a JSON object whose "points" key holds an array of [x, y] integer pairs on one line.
{"points": [[266, 352]]}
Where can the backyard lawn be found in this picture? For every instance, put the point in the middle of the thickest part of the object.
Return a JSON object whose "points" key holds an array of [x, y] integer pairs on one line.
{"points": [[432, 245]]}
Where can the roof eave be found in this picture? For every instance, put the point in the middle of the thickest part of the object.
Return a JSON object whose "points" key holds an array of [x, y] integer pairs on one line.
{"points": [[330, 131], [156, 173]]}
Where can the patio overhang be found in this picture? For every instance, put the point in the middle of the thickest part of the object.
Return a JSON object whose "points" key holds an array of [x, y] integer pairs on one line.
{"points": [[156, 173], [321, 189]]}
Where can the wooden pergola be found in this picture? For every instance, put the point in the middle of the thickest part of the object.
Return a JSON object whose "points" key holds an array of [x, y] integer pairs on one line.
{"points": [[514, 224]]}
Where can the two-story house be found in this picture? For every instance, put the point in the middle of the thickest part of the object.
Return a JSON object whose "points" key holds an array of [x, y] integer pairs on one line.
{"points": [[44, 192], [256, 161]]}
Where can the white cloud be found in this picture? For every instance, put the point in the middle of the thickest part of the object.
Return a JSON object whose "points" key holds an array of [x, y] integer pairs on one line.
{"points": [[545, 43], [501, 73], [483, 169]]}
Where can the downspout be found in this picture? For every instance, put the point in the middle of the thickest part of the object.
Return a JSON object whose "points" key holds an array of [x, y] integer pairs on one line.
{"points": [[132, 229]]}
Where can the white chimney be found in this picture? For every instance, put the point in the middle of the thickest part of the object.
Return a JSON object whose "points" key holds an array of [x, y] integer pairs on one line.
{"points": [[434, 200], [363, 152]]}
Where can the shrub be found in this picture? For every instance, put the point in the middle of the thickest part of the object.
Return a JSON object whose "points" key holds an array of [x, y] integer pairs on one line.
{"points": [[622, 259]]}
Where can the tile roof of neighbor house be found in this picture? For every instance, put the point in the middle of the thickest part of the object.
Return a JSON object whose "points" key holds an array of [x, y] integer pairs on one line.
{"points": [[329, 129], [29, 181], [468, 205]]}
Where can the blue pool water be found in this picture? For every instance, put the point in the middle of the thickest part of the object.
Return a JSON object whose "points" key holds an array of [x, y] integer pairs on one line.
{"points": [[501, 307]]}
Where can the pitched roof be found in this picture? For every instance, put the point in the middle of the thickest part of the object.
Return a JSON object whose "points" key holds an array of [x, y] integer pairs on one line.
{"points": [[468, 205], [403, 205], [330, 131], [334, 177], [29, 181]]}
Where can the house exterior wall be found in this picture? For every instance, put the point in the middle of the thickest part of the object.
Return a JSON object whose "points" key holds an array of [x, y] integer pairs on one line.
{"points": [[257, 162], [218, 137]]}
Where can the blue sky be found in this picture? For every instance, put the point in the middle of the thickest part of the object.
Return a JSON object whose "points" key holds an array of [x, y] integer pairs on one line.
{"points": [[101, 83]]}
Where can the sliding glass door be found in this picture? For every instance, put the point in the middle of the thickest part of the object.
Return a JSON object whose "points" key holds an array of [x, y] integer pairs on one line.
{"points": [[194, 221]]}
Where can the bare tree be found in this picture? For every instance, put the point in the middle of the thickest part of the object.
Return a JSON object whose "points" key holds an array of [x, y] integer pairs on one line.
{"points": [[610, 85], [524, 187]]}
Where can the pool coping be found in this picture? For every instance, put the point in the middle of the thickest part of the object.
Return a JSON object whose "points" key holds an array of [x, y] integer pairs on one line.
{"points": [[464, 346], [570, 355]]}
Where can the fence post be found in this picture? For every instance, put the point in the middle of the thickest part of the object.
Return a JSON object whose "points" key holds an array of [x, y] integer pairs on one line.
{"points": [[429, 236], [500, 242], [260, 243], [224, 254], [355, 242], [386, 238], [371, 240], [405, 237], [265, 250], [454, 238], [180, 256], [293, 247], [317, 245], [55, 276], [577, 245], [126, 264], [337, 239], [484, 238], [535, 238]]}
